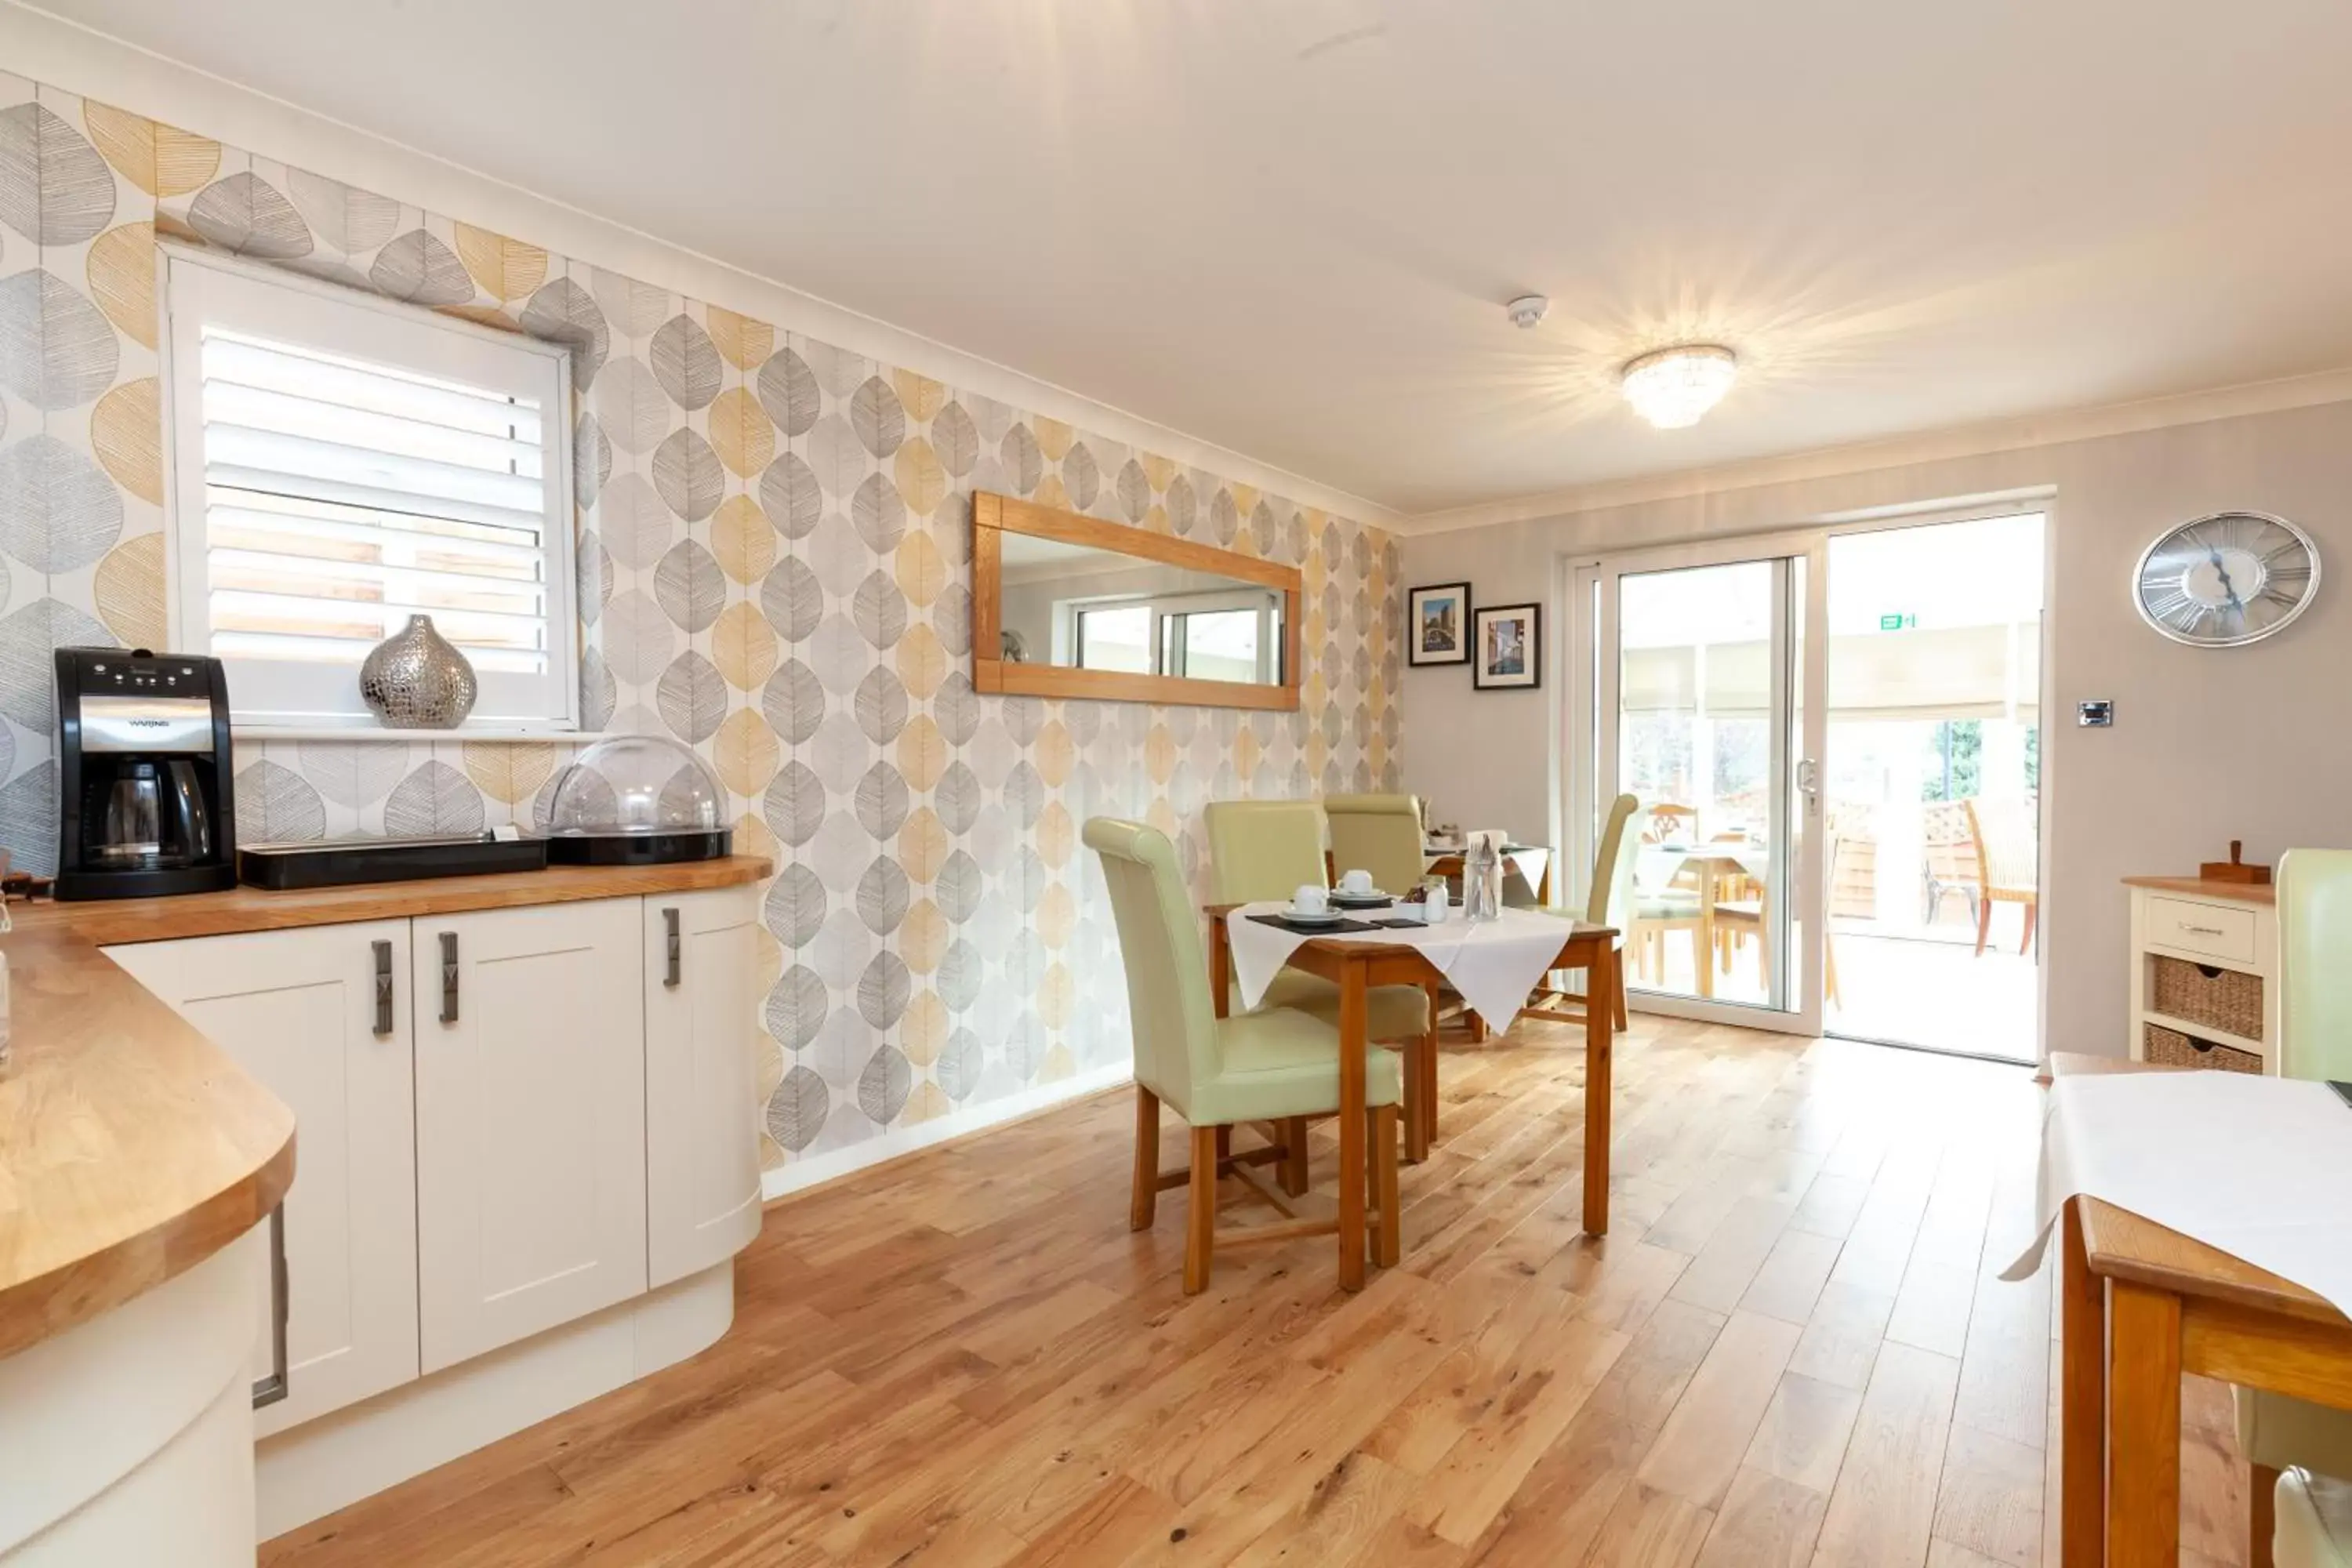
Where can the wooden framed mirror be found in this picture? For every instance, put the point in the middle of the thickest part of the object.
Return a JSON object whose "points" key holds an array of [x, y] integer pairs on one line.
{"points": [[1064, 606]]}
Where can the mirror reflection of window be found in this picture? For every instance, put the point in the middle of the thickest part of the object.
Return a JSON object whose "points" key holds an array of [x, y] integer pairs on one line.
{"points": [[1118, 637], [1215, 645]]}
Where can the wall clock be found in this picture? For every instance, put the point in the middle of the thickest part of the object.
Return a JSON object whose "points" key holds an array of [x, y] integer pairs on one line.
{"points": [[2232, 578]]}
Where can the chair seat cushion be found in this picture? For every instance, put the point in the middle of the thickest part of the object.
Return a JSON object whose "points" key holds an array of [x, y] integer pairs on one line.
{"points": [[1667, 906], [1392, 1012], [2315, 1521], [1279, 1062], [2284, 1433]]}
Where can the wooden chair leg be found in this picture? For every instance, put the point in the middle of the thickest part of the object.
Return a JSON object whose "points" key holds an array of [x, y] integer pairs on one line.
{"points": [[1224, 1144], [1617, 993], [1416, 1099], [2261, 1520], [1200, 1222], [1388, 1243], [1145, 1203], [1984, 925], [2025, 943], [1293, 1172], [1429, 1074], [1477, 1026]]}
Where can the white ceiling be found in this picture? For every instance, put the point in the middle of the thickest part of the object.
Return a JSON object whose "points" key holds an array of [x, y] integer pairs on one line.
{"points": [[1289, 228]]}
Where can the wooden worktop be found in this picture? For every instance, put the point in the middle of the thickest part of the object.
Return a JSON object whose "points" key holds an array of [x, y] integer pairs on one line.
{"points": [[2198, 888], [132, 1148]]}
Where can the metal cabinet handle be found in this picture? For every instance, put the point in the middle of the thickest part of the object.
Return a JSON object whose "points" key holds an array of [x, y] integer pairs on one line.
{"points": [[384, 988], [2200, 931], [669, 924], [448, 977], [271, 1389]]}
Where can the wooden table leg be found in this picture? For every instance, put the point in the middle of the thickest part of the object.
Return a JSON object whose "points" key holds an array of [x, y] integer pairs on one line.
{"points": [[2143, 1426], [1429, 1069], [1353, 1042], [1599, 1042], [1388, 1243], [1703, 941], [1221, 967], [2082, 1401]]}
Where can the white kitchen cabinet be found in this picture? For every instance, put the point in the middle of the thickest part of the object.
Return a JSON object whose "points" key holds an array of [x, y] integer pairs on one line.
{"points": [[702, 1159], [531, 1121], [320, 1017]]}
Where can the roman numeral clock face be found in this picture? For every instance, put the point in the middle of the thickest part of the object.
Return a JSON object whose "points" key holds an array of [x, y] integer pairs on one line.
{"points": [[2235, 577]]}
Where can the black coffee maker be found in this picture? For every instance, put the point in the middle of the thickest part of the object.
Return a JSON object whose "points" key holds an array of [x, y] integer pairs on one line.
{"points": [[143, 774]]}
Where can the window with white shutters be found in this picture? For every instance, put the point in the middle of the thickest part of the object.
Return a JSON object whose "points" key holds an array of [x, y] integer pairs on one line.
{"points": [[341, 464]]}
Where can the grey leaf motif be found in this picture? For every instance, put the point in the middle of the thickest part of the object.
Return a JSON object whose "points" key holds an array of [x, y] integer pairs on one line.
{"points": [[593, 565], [793, 702], [1262, 527], [883, 990], [639, 639], [58, 512], [56, 350], [787, 389], [951, 618], [877, 416], [28, 670], [792, 599], [796, 905], [1225, 519], [435, 798], [54, 187], [635, 308], [1082, 477], [1024, 794], [956, 707], [421, 270], [691, 586], [881, 706], [29, 819], [631, 407], [958, 1067], [7, 761], [883, 1086], [1134, 491], [958, 886], [882, 896], [955, 440], [1182, 508], [796, 1111], [276, 805], [790, 496], [956, 797], [692, 697], [248, 215], [592, 458], [598, 692], [351, 772], [960, 974], [1024, 464], [561, 312], [794, 806], [686, 361], [349, 219], [796, 1007], [836, 457], [879, 609], [688, 475], [881, 801], [635, 524], [878, 513]]}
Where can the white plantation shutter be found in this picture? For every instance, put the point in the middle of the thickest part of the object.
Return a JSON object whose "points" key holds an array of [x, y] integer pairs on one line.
{"points": [[344, 464]]}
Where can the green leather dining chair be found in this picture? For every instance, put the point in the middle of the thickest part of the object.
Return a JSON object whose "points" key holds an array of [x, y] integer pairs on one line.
{"points": [[2299, 1449], [1275, 1065], [1609, 901], [1262, 849], [1380, 834]]}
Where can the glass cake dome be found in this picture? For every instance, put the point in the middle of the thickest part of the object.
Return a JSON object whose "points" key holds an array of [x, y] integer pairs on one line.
{"points": [[637, 800]]}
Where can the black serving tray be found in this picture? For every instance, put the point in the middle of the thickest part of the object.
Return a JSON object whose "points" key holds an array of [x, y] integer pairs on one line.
{"points": [[639, 849], [341, 862]]}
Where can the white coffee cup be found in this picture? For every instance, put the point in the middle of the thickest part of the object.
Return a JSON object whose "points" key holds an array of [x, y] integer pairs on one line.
{"points": [[1310, 899], [1355, 881]]}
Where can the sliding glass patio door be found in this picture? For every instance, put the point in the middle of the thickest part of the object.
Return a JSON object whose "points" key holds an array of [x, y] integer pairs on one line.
{"points": [[1695, 683]]}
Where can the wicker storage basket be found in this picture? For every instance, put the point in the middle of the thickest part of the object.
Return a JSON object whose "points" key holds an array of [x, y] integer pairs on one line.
{"points": [[2223, 999], [2174, 1048]]}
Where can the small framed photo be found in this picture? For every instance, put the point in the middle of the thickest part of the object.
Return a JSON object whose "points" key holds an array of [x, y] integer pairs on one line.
{"points": [[1439, 623], [1509, 644]]}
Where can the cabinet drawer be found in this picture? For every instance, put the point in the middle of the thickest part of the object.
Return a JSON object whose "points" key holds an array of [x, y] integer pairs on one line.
{"points": [[2209, 929]]}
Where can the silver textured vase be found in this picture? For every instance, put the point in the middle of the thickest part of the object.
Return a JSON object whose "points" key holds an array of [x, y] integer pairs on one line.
{"points": [[415, 679]]}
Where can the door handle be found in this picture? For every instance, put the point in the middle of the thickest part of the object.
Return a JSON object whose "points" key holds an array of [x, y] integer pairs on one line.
{"points": [[1809, 783], [382, 988], [669, 926], [271, 1389], [448, 977]]}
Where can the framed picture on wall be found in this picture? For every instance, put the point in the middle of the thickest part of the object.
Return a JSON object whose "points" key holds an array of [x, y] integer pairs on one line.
{"points": [[1509, 647], [1438, 621]]}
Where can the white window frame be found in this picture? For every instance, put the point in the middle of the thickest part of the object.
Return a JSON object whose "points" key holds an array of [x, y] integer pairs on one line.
{"points": [[268, 302], [1267, 601]]}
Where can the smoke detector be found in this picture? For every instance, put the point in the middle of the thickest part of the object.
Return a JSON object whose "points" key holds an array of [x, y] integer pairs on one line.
{"points": [[1526, 311]]}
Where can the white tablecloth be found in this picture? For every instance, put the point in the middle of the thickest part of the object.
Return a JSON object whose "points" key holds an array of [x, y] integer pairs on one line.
{"points": [[1492, 963], [2257, 1167]]}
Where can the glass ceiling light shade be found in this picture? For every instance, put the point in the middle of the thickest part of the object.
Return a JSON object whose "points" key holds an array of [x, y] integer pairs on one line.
{"points": [[1674, 387]]}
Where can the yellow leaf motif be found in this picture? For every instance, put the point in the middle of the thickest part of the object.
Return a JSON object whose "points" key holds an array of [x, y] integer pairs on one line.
{"points": [[921, 396], [742, 539], [126, 431], [129, 590], [743, 645], [744, 342], [746, 751], [921, 481], [160, 159], [122, 271], [740, 433], [506, 269], [509, 772]]}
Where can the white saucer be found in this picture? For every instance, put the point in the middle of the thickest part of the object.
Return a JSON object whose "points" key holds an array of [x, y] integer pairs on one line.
{"points": [[1328, 917]]}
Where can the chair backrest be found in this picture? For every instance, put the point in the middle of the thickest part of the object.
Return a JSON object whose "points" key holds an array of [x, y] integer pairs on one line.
{"points": [[2004, 831], [1669, 823], [1949, 841], [1380, 834], [1611, 900], [1175, 1025], [2315, 964], [1263, 849]]}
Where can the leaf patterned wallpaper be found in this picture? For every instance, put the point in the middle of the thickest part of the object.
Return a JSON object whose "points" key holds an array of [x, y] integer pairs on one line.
{"points": [[773, 541]]}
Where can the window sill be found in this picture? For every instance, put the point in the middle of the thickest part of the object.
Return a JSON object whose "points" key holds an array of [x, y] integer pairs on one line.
{"points": [[490, 732]]}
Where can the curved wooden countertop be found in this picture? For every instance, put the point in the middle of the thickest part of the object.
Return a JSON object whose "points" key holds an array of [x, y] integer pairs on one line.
{"points": [[132, 1148]]}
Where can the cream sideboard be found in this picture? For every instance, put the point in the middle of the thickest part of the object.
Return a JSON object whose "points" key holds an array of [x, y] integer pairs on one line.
{"points": [[2204, 965]]}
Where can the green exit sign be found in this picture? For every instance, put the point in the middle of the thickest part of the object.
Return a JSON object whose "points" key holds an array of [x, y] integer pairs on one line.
{"points": [[1898, 623]]}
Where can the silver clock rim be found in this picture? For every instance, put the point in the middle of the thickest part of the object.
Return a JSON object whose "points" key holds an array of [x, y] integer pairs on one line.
{"points": [[2311, 590]]}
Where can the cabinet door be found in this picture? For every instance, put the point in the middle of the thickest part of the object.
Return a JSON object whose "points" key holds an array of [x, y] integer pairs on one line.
{"points": [[298, 1010], [702, 1147], [531, 1121]]}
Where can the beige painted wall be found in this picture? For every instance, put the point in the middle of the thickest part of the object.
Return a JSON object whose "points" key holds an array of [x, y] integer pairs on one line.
{"points": [[2254, 743]]}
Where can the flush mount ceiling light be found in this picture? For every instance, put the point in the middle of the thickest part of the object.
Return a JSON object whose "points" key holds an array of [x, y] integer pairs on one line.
{"points": [[1674, 387]]}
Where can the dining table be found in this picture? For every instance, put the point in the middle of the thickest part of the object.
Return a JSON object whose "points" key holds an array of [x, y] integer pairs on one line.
{"points": [[1355, 962], [1657, 866]]}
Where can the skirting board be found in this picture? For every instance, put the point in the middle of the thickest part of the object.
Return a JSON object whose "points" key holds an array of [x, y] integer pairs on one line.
{"points": [[901, 1141], [323, 1465]]}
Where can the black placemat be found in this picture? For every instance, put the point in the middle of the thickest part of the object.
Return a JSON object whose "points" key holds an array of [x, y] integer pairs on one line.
{"points": [[1320, 928], [1403, 924], [1363, 900]]}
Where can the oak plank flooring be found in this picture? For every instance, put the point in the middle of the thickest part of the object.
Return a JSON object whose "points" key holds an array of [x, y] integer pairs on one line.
{"points": [[1793, 1348]]}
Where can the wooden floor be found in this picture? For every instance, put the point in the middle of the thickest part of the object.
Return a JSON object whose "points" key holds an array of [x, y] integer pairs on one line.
{"points": [[1791, 1349]]}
